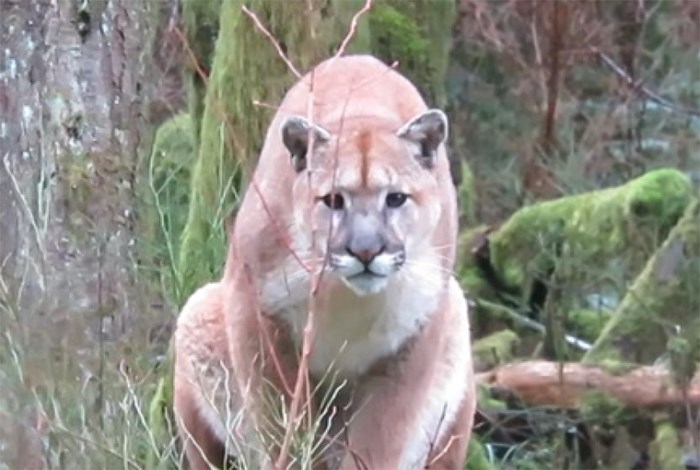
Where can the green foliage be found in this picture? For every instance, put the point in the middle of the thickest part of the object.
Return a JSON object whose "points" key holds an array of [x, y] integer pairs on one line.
{"points": [[663, 294], [79, 419], [587, 323], [665, 450], [414, 34], [167, 198], [399, 36], [477, 459]]}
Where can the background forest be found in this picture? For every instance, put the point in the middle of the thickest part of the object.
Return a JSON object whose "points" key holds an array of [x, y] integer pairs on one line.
{"points": [[128, 130]]}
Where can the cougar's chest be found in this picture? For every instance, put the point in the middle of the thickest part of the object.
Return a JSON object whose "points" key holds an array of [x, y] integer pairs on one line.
{"points": [[352, 333]]}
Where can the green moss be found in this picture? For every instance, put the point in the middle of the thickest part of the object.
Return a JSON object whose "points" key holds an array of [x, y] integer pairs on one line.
{"points": [[591, 228], [399, 36], [614, 366], [586, 323], [665, 450], [486, 401], [684, 354], [596, 406], [664, 293], [417, 35], [467, 271], [495, 349], [467, 196]]}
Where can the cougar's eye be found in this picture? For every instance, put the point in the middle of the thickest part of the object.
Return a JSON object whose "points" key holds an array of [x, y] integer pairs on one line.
{"points": [[395, 200], [334, 201]]}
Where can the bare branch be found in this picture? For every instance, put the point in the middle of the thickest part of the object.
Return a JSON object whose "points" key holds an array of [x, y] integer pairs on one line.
{"points": [[565, 384], [639, 87], [353, 28], [275, 44]]}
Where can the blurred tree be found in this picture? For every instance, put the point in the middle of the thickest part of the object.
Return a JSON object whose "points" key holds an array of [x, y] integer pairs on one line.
{"points": [[77, 100]]}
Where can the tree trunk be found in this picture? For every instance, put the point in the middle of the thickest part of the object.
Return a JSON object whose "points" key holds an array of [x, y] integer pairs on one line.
{"points": [[74, 85]]}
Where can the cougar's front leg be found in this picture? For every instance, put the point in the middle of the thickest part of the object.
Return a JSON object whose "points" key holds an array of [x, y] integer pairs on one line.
{"points": [[266, 369], [451, 451], [201, 358], [417, 409], [387, 405]]}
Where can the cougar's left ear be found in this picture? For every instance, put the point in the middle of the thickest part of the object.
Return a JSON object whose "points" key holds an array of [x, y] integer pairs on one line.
{"points": [[296, 133], [427, 131]]}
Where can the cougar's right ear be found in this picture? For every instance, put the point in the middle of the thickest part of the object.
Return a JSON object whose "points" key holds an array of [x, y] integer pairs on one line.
{"points": [[296, 134]]}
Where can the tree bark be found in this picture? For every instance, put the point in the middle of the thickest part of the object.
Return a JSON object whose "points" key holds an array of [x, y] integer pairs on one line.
{"points": [[74, 88]]}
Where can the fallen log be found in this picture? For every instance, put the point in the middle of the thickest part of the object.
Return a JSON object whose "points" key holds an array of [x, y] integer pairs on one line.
{"points": [[564, 385]]}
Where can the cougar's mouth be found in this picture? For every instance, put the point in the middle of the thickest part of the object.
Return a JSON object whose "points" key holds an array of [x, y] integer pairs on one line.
{"points": [[366, 274], [366, 282]]}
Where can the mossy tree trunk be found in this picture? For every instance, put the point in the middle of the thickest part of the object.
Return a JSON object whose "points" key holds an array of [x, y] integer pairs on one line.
{"points": [[201, 22], [77, 102]]}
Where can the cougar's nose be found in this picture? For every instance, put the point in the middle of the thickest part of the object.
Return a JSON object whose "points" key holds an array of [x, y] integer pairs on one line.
{"points": [[365, 255], [365, 241]]}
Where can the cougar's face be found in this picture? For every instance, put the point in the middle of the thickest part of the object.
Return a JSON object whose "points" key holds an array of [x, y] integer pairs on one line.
{"points": [[368, 199], [366, 236]]}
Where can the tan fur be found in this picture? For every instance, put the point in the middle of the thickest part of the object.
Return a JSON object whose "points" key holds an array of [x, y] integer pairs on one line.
{"points": [[400, 337]]}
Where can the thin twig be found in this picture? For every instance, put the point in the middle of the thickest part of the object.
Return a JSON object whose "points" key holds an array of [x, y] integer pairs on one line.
{"points": [[530, 323], [353, 28], [275, 44], [193, 57], [639, 87], [25, 207], [302, 379]]}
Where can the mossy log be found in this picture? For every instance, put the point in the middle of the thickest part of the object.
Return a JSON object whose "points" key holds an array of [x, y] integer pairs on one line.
{"points": [[585, 245], [659, 313], [590, 228]]}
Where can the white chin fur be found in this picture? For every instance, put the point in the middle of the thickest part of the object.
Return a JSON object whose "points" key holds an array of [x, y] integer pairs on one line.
{"points": [[366, 284]]}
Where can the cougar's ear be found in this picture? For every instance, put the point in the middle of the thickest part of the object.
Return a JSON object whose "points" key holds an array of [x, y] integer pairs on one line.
{"points": [[427, 131], [296, 133]]}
